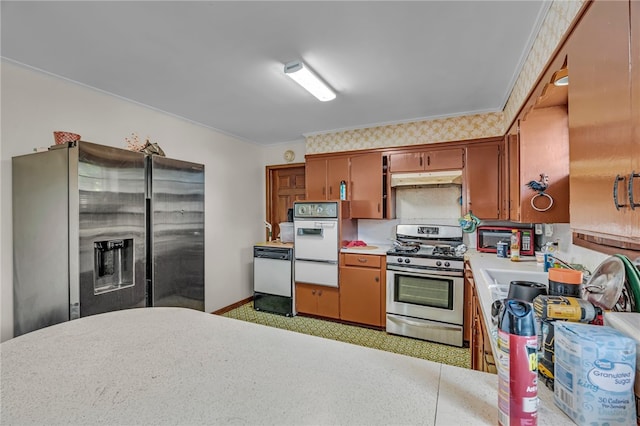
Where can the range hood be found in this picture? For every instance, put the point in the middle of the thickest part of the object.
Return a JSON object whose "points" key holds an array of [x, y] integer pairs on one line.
{"points": [[449, 177]]}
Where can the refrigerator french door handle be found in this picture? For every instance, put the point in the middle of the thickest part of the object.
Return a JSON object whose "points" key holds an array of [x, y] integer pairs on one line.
{"points": [[148, 171], [74, 232]]}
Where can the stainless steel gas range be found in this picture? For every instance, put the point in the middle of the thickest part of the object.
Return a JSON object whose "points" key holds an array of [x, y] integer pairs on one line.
{"points": [[425, 286]]}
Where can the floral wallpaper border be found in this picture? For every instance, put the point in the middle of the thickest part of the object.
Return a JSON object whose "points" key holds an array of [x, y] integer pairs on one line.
{"points": [[560, 15]]}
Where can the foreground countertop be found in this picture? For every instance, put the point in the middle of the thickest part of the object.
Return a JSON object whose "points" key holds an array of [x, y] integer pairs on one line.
{"points": [[180, 366], [547, 408]]}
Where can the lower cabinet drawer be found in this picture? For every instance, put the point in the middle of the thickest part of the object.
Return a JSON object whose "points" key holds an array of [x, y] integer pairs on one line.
{"points": [[362, 260]]}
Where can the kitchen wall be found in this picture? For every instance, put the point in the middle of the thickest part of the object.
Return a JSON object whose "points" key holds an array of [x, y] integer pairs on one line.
{"points": [[559, 17], [274, 154], [35, 104]]}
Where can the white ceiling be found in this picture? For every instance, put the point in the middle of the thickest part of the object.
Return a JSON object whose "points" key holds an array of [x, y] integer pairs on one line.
{"points": [[221, 64]]}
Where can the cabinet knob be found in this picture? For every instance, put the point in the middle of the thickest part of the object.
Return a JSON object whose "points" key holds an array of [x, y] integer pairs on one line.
{"points": [[313, 292], [319, 292], [377, 279]]}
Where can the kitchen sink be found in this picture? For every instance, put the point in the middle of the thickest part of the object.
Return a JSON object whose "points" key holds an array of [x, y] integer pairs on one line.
{"points": [[499, 279], [505, 276]]}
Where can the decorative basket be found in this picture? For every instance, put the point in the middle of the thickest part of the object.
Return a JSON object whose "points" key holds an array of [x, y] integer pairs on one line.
{"points": [[64, 137]]}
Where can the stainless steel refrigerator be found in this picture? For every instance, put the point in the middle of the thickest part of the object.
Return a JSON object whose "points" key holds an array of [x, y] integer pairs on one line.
{"points": [[98, 229]]}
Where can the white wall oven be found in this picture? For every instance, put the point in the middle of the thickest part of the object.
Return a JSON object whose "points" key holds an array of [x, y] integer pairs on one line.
{"points": [[425, 285], [316, 243]]}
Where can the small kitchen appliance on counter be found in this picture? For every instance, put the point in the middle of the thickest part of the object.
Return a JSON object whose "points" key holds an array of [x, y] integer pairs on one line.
{"points": [[488, 238], [273, 289], [425, 285]]}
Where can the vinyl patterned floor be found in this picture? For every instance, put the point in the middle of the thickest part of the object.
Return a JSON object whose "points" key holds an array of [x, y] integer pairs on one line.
{"points": [[459, 357]]}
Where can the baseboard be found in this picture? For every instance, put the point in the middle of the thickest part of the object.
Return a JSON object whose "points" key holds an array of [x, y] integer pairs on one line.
{"points": [[231, 307]]}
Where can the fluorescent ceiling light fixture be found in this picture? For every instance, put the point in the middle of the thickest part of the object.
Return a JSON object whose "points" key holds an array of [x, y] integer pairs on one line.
{"points": [[302, 75]]}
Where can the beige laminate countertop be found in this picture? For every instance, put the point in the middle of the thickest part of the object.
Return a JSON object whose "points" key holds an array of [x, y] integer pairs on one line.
{"points": [[377, 249], [276, 243], [180, 366]]}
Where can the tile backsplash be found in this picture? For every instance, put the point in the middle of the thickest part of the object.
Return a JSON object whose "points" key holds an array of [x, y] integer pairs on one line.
{"points": [[428, 202], [437, 205]]}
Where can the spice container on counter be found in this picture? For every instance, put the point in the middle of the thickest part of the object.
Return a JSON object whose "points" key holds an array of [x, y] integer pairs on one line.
{"points": [[502, 249], [515, 245]]}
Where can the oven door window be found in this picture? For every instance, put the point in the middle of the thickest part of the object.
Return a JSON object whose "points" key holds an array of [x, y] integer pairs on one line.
{"points": [[436, 292]]}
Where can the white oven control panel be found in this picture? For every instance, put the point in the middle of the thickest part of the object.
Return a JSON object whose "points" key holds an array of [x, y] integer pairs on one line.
{"points": [[315, 210]]}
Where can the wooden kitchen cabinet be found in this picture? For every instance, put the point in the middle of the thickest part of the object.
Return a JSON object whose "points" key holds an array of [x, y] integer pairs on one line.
{"points": [[364, 175], [604, 124], [540, 146], [367, 186], [362, 289], [318, 300], [483, 179], [426, 161], [475, 328], [323, 177]]}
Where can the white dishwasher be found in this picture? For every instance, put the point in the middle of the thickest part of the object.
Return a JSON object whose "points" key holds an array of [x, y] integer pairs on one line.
{"points": [[273, 289]]}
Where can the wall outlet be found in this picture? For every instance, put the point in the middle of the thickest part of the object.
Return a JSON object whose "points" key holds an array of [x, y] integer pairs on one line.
{"points": [[538, 228], [548, 230]]}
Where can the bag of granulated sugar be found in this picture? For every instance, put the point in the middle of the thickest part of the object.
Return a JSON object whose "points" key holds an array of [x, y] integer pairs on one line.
{"points": [[594, 374]]}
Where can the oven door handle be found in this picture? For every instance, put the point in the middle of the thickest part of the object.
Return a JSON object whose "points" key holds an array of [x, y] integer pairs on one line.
{"points": [[405, 320], [422, 272], [313, 232]]}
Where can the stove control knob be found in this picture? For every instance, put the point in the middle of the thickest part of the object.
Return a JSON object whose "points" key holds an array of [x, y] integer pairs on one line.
{"points": [[399, 260], [407, 260], [447, 264], [438, 263]]}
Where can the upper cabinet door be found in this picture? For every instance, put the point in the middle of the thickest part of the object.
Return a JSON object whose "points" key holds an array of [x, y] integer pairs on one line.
{"points": [[421, 161], [512, 174], [323, 177], [315, 171], [337, 171], [406, 162], [482, 179], [444, 159], [600, 121], [367, 186], [543, 150]]}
